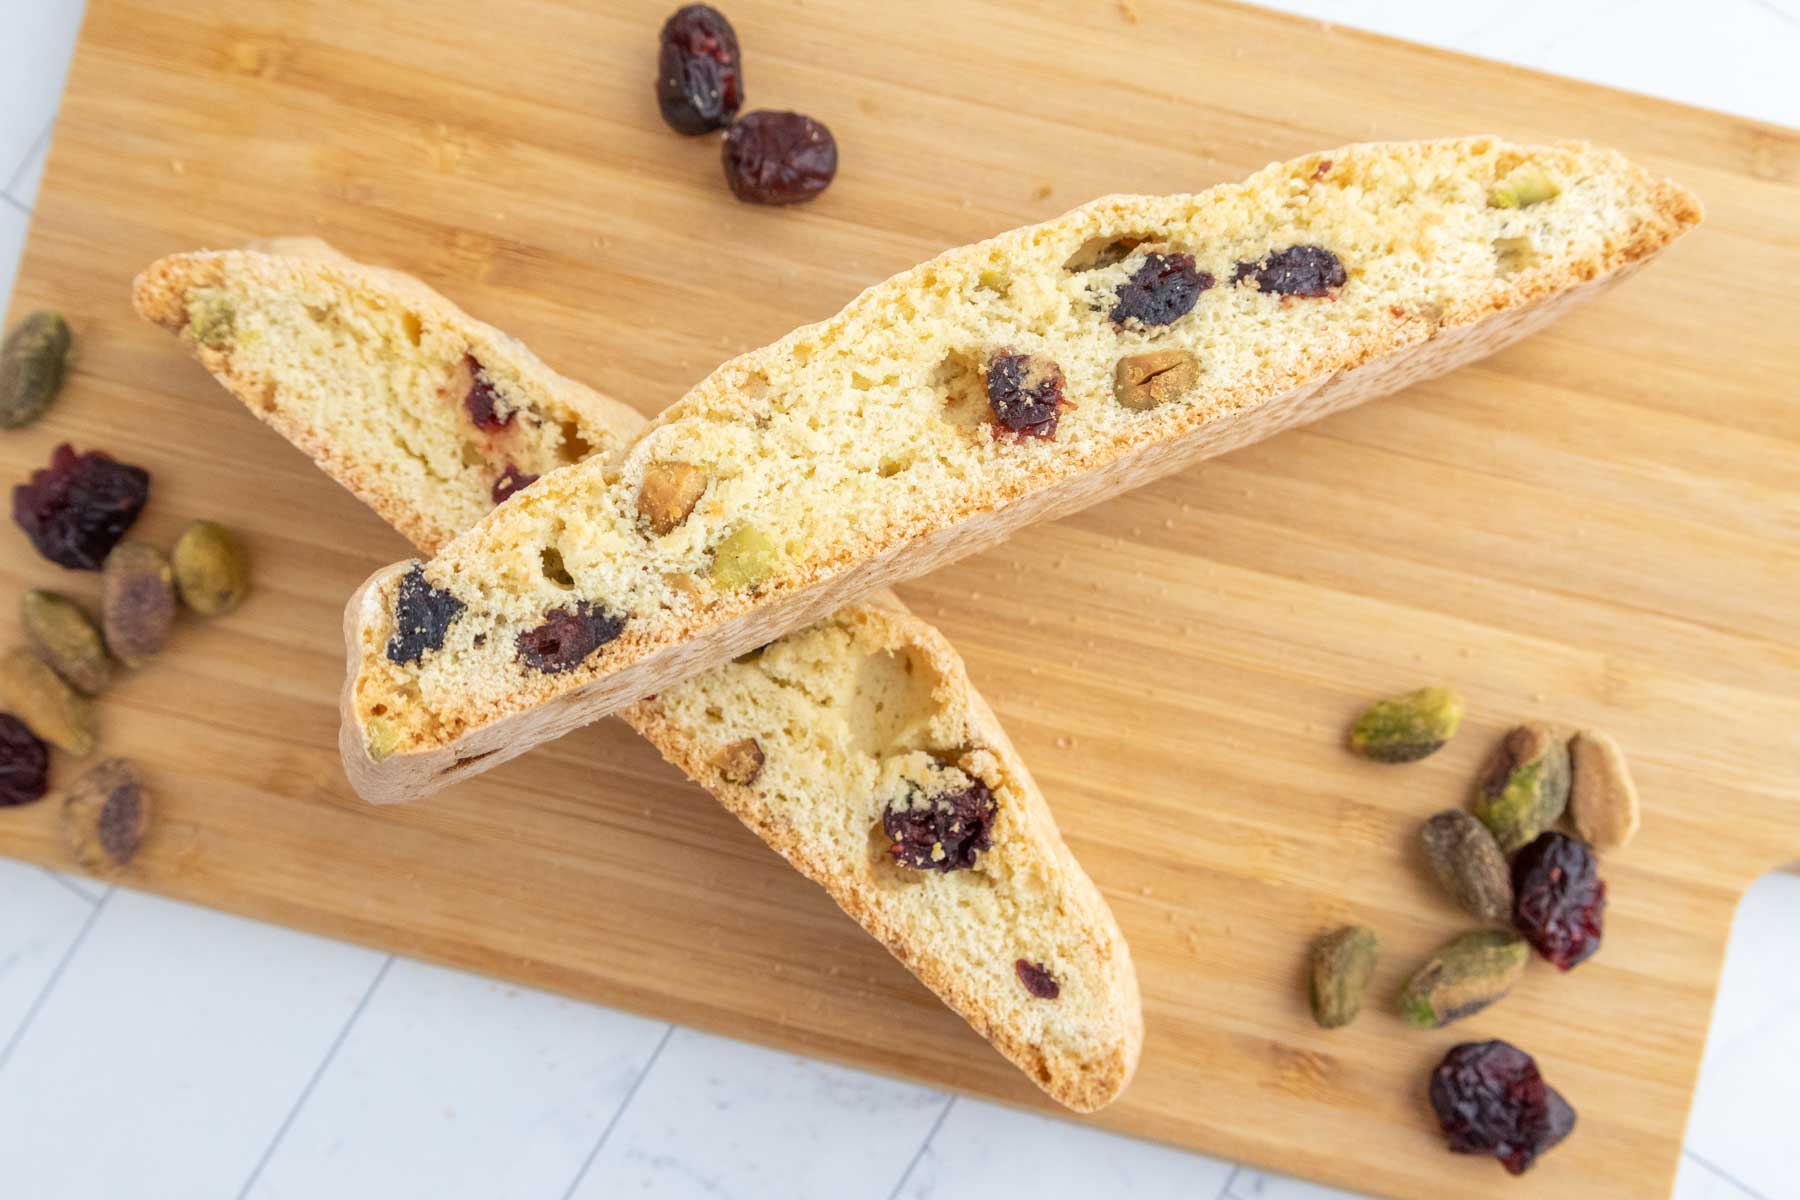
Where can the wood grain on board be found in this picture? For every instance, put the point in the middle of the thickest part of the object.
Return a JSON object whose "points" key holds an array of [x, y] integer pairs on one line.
{"points": [[1599, 525]]}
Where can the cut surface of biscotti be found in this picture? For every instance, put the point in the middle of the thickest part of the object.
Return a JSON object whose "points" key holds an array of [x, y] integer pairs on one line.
{"points": [[857, 748], [425, 413], [1000, 383]]}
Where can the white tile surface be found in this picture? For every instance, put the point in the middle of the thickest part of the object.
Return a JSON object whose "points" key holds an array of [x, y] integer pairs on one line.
{"points": [[1262, 1185], [1697, 1181], [1749, 1094], [982, 1151], [39, 921], [171, 1049], [34, 59], [450, 1087], [24, 182], [720, 1118]]}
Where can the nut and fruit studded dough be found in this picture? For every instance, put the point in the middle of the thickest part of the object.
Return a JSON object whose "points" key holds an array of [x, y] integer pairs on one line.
{"points": [[998, 384], [864, 724]]}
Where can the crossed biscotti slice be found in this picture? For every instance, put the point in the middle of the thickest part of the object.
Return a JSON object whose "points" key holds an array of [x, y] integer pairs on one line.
{"points": [[857, 747], [998, 384], [426, 414]]}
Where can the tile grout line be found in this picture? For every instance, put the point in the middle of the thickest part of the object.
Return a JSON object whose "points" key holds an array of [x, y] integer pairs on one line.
{"points": [[1722, 1173], [70, 886], [1779, 13], [62, 965], [619, 1113], [37, 143], [1225, 1192], [6, 198], [919, 1154], [306, 1092]]}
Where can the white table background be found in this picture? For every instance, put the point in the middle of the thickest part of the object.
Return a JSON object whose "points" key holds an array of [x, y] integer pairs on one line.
{"points": [[151, 1049]]}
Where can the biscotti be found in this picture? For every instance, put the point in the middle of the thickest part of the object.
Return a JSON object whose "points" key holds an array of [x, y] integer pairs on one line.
{"points": [[857, 748], [998, 384], [428, 415]]}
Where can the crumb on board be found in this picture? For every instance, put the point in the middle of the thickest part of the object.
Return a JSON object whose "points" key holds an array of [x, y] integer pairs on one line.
{"points": [[1044, 191], [1129, 10]]}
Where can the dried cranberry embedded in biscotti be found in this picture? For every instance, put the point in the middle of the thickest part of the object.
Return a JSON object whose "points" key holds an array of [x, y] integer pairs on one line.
{"points": [[779, 158], [1162, 291], [940, 831], [699, 75], [482, 402], [567, 637], [511, 480], [1025, 391], [1037, 980], [1310, 271], [422, 618]]}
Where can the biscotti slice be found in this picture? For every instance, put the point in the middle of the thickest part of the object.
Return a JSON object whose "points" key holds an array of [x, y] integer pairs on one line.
{"points": [[426, 414], [857, 748], [998, 384]]}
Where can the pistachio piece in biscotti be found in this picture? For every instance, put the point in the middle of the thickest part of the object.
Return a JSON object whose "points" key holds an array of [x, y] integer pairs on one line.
{"points": [[668, 494], [1144, 381], [740, 762], [212, 318], [744, 559]]}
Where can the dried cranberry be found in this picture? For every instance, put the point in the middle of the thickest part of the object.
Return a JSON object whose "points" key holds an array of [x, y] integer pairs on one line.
{"points": [[422, 618], [1164, 289], [567, 636], [1490, 1099], [24, 763], [76, 509], [940, 831], [779, 158], [1559, 898], [1037, 980], [1310, 271], [483, 402], [1025, 391], [511, 480], [699, 79]]}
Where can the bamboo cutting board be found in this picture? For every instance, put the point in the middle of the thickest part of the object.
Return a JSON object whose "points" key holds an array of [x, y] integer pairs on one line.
{"points": [[1599, 525]]}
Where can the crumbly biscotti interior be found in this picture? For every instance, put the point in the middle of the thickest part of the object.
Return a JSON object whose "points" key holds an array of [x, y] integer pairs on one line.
{"points": [[429, 415], [858, 749], [819, 742], [976, 379]]}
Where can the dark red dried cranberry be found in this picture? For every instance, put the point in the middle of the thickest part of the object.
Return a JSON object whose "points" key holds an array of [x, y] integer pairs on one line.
{"points": [[779, 158], [1490, 1099], [940, 831], [422, 618], [1164, 289], [699, 78], [567, 636], [1038, 981], [76, 509], [24, 763], [483, 402], [511, 480], [1559, 899], [1310, 271], [1025, 391]]}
